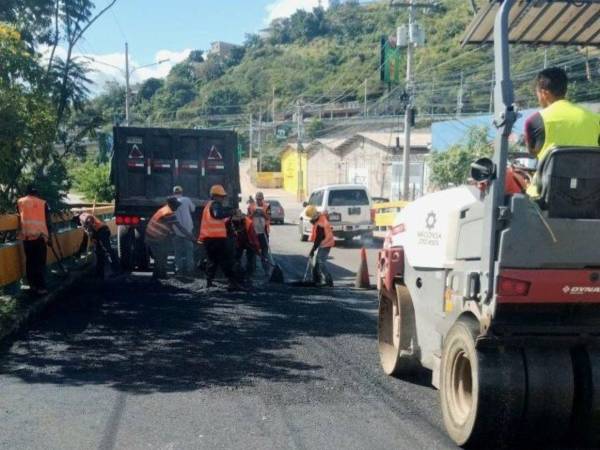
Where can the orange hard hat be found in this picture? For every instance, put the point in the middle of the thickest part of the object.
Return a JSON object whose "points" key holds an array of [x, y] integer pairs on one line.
{"points": [[218, 190]]}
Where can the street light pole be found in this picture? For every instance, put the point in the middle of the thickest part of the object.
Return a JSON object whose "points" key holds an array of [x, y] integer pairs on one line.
{"points": [[127, 74]]}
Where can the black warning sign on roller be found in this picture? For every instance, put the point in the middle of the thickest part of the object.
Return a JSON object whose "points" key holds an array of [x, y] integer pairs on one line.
{"points": [[215, 159]]}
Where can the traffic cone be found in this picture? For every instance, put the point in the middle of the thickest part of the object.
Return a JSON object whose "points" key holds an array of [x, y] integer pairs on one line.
{"points": [[362, 276]]}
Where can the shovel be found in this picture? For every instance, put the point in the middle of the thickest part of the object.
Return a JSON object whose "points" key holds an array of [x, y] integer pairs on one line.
{"points": [[307, 279], [59, 260]]}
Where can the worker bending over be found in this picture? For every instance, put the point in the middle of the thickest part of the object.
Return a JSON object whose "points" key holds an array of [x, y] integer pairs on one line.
{"points": [[159, 231], [96, 231], [34, 231], [246, 243], [216, 235], [560, 123], [323, 240]]}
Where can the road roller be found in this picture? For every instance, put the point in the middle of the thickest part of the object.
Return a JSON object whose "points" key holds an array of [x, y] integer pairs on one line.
{"points": [[499, 295]]}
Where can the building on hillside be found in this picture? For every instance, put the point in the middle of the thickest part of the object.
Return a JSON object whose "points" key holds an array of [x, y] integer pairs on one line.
{"points": [[221, 49], [370, 158]]}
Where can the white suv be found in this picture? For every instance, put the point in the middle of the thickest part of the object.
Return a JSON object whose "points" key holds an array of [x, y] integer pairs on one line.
{"points": [[348, 207]]}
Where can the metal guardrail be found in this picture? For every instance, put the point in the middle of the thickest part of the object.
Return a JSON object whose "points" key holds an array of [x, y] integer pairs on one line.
{"points": [[385, 213], [12, 258]]}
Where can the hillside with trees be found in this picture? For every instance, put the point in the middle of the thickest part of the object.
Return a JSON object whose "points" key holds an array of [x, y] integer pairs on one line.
{"points": [[321, 56]]}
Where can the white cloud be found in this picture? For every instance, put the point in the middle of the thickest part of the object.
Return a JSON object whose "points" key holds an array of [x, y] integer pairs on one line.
{"points": [[111, 66], [285, 8]]}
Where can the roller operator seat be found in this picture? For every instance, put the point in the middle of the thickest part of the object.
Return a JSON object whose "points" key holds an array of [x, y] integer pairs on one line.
{"points": [[568, 180]]}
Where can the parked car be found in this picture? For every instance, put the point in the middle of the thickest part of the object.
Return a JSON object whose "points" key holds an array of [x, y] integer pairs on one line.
{"points": [[277, 212], [348, 207]]}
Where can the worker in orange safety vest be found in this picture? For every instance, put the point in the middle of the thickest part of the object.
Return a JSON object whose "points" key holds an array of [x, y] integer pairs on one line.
{"points": [[34, 232], [96, 231], [159, 231], [323, 241], [217, 237]]}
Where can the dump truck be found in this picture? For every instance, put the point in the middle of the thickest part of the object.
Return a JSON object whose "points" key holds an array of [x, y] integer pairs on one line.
{"points": [[499, 295], [148, 162]]}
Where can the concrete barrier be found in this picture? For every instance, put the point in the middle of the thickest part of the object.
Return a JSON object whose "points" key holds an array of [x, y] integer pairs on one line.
{"points": [[269, 180], [12, 258]]}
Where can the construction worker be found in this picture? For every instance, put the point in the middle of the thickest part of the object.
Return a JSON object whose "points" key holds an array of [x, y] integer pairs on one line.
{"points": [[159, 231], [184, 247], [96, 231], [34, 231], [560, 123], [260, 213], [216, 236], [246, 242], [323, 240]]}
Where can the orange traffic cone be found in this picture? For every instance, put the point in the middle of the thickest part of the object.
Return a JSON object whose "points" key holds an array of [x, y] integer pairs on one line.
{"points": [[362, 276]]}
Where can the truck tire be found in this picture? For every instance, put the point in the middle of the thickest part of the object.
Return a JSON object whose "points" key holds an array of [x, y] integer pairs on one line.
{"points": [[396, 332], [141, 252], [303, 237], [482, 391], [125, 248]]}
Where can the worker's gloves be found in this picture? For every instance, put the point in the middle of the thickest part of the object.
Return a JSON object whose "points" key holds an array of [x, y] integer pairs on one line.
{"points": [[312, 253]]}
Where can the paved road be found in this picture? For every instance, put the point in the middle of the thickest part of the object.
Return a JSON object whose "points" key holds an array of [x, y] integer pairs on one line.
{"points": [[136, 365]]}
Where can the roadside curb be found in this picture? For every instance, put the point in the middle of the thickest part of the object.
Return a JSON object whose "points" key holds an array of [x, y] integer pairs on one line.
{"points": [[39, 304]]}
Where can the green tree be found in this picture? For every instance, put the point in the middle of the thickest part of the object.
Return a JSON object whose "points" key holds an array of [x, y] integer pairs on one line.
{"points": [[92, 180], [452, 167], [314, 127]]}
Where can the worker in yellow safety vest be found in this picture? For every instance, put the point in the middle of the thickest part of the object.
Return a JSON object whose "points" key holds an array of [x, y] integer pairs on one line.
{"points": [[323, 240], [97, 231], [560, 123], [216, 236], [34, 231]]}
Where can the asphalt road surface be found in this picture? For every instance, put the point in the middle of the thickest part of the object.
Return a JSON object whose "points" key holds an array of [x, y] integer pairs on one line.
{"points": [[137, 365]]}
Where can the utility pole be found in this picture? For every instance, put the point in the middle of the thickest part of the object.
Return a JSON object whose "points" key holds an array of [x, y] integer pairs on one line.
{"points": [[126, 84], [409, 104], [459, 96], [366, 113], [273, 112], [409, 38], [251, 146], [299, 150], [259, 139]]}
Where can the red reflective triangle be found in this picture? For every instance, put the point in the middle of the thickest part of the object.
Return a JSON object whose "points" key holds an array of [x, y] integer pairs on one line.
{"points": [[214, 153], [135, 152]]}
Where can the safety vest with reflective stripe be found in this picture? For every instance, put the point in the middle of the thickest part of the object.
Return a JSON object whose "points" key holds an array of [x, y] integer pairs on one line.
{"points": [[265, 207], [32, 216], [156, 230], [211, 228], [93, 221], [323, 222], [568, 125]]}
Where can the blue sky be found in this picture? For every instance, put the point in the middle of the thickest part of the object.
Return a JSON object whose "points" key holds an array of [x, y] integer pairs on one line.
{"points": [[161, 29]]}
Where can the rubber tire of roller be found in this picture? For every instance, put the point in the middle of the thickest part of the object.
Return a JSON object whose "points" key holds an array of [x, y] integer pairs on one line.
{"points": [[550, 394], [489, 416], [585, 423]]}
